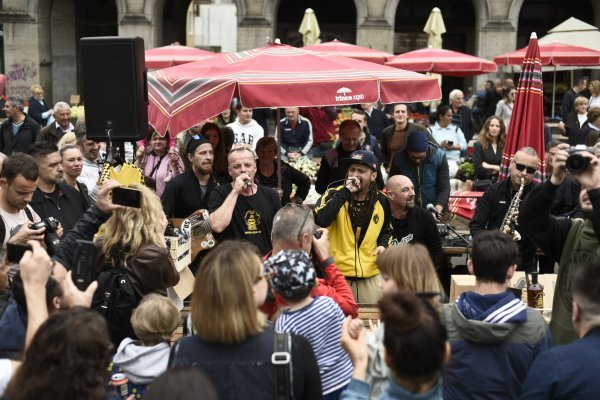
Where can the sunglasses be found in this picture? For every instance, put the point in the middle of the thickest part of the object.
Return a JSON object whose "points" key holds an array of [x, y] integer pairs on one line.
{"points": [[521, 167]]}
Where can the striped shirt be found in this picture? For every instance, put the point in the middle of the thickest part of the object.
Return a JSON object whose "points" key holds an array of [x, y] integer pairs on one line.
{"points": [[321, 324]]}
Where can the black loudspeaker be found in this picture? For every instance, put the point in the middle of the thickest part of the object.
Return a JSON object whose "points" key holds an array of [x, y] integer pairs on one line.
{"points": [[115, 89]]}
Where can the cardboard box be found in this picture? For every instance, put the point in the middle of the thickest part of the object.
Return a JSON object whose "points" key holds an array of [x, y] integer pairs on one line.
{"points": [[460, 284]]}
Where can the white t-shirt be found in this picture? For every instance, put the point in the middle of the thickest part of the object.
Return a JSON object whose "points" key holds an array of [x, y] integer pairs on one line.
{"points": [[6, 371], [247, 134], [16, 219]]}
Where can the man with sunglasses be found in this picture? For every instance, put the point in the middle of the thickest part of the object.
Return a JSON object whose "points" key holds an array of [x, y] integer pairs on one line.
{"points": [[358, 217], [495, 202]]}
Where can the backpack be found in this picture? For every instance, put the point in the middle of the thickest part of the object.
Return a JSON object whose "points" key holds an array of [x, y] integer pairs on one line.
{"points": [[115, 300]]}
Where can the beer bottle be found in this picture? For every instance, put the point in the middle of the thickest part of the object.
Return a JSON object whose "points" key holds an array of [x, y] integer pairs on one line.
{"points": [[535, 293]]}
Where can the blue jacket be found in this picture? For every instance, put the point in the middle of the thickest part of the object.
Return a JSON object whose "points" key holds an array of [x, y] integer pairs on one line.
{"points": [[490, 359], [300, 136], [431, 178], [566, 372]]}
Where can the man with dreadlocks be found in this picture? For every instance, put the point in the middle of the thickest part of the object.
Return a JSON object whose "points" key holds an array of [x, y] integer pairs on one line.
{"points": [[358, 217]]}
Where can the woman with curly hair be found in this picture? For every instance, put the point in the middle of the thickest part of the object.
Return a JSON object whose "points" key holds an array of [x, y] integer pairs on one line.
{"points": [[66, 360], [487, 151]]}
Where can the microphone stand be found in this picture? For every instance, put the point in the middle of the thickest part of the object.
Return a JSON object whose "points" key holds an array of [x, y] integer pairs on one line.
{"points": [[451, 229]]}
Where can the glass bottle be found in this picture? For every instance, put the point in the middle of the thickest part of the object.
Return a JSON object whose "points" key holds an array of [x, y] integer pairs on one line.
{"points": [[535, 293]]}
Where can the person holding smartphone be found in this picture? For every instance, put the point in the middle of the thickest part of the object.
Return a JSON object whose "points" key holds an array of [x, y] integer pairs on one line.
{"points": [[450, 137]]}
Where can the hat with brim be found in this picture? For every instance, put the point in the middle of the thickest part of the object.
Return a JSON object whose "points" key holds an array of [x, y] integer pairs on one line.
{"points": [[364, 157]]}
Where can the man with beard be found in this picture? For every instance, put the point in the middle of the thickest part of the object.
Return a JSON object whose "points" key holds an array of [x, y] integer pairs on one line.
{"points": [[494, 204], [573, 243], [53, 198], [412, 224], [358, 218], [243, 209], [189, 192]]}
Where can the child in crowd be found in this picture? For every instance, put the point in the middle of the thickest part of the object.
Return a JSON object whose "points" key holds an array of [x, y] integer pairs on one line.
{"points": [[318, 319], [154, 321]]}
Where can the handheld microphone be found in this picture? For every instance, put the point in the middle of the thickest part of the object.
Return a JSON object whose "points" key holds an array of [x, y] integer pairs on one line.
{"points": [[434, 210], [247, 182]]}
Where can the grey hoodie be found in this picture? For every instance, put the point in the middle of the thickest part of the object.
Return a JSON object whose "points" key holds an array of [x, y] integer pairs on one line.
{"points": [[142, 364]]}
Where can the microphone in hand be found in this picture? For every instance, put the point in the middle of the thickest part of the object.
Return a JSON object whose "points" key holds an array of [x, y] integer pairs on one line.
{"points": [[434, 210], [247, 182]]}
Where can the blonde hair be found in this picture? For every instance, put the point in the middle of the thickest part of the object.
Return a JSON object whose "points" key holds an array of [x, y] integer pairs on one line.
{"points": [[223, 308], [411, 268], [155, 319], [67, 139], [581, 99], [129, 228], [34, 87], [595, 87]]}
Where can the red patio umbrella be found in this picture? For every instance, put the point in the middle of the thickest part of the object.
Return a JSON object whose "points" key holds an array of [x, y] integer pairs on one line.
{"points": [[275, 76], [526, 128], [337, 48], [168, 56], [443, 62], [554, 54]]}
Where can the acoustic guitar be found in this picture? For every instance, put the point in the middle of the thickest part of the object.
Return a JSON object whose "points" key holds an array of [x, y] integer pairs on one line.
{"points": [[197, 228]]}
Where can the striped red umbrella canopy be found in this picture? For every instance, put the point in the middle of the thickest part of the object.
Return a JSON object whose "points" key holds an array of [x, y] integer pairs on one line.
{"points": [[337, 48], [553, 54], [443, 62], [526, 128], [168, 56], [275, 76]]}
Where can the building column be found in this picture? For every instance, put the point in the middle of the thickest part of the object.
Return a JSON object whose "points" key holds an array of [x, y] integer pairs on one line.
{"points": [[27, 51], [496, 31], [143, 19], [255, 23], [376, 24]]}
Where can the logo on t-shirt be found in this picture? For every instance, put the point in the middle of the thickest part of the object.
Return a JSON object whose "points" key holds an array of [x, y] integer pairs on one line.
{"points": [[252, 218]]}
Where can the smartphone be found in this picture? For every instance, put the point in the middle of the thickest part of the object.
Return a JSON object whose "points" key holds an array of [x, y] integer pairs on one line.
{"points": [[85, 259], [15, 251], [126, 197]]}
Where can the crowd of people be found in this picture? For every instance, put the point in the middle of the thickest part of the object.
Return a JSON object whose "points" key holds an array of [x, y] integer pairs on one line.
{"points": [[89, 310]]}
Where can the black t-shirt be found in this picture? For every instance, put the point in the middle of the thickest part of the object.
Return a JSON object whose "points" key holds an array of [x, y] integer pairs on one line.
{"points": [[252, 218]]}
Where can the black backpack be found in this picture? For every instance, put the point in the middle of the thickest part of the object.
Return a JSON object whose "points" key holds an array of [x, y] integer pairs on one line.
{"points": [[115, 299]]}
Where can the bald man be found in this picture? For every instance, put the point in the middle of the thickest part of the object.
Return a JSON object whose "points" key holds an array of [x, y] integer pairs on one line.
{"points": [[412, 224]]}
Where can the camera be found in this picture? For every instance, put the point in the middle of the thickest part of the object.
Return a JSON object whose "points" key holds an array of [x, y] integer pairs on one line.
{"points": [[576, 163], [51, 239]]}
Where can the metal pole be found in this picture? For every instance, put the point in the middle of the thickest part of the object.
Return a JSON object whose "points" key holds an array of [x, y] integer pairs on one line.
{"points": [[553, 91], [278, 135]]}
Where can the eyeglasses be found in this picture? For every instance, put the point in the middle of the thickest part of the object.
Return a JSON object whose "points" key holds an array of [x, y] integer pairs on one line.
{"points": [[521, 167], [302, 206]]}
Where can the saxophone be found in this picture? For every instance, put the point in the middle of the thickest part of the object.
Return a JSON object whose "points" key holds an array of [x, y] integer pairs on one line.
{"points": [[509, 223]]}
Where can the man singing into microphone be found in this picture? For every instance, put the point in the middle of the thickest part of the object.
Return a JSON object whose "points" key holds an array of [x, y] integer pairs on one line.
{"points": [[242, 209], [358, 218]]}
